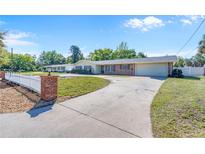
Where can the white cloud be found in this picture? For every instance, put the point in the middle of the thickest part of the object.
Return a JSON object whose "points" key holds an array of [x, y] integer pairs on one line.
{"points": [[186, 21], [18, 39], [189, 20], [145, 24]]}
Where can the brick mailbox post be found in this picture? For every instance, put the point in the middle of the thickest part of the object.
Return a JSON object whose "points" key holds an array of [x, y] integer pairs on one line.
{"points": [[2, 75], [49, 86]]}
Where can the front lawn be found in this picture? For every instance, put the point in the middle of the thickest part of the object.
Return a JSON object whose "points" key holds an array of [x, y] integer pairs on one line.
{"points": [[178, 110], [77, 86]]}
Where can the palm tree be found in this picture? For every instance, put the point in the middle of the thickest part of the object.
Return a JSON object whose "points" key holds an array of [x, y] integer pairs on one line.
{"points": [[202, 46]]}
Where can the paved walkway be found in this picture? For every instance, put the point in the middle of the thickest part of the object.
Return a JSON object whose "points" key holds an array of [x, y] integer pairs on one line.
{"points": [[121, 109]]}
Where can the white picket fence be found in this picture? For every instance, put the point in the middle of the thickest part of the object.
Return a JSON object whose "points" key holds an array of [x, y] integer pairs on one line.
{"points": [[192, 71], [30, 82]]}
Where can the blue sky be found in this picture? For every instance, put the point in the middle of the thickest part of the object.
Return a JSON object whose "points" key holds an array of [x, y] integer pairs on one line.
{"points": [[153, 35]]}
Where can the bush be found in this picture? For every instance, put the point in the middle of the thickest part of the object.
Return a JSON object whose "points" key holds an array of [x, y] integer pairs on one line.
{"points": [[177, 73], [68, 71], [80, 71]]}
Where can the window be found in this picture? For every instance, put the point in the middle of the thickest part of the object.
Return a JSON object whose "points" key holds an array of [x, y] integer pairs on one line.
{"points": [[125, 67], [107, 68], [112, 68], [87, 68], [62, 68], [78, 67]]}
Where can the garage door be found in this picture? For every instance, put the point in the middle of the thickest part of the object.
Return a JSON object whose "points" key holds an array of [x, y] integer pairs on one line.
{"points": [[160, 69]]}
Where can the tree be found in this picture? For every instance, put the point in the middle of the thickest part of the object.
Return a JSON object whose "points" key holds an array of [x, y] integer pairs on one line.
{"points": [[4, 55], [101, 54], [180, 62], [198, 60], [202, 46], [141, 55], [69, 60], [188, 62], [123, 51], [4, 59], [122, 46], [23, 62], [76, 54], [50, 58], [2, 35]]}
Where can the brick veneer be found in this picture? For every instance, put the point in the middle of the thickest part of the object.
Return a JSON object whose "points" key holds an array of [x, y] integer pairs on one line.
{"points": [[49, 86], [119, 71], [2, 75]]}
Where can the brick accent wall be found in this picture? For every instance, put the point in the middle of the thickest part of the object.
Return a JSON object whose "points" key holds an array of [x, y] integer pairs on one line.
{"points": [[49, 86], [2, 75], [119, 71]]}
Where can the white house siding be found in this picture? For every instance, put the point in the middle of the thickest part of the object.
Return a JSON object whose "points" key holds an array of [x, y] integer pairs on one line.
{"points": [[69, 68], [59, 68], [84, 63], [97, 69], [151, 69]]}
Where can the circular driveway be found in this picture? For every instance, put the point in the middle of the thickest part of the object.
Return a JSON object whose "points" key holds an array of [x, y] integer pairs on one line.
{"points": [[122, 109]]}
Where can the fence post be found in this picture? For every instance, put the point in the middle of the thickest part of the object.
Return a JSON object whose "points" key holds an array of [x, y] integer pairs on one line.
{"points": [[49, 86], [2, 75]]}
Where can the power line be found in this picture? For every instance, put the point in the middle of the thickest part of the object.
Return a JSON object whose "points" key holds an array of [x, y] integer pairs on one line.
{"points": [[191, 36], [192, 51]]}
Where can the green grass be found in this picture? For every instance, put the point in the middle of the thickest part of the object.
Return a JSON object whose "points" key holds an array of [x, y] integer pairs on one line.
{"points": [[178, 110], [40, 73], [77, 86]]}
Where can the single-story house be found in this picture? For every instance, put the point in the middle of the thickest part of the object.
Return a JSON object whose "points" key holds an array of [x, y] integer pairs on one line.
{"points": [[150, 66], [59, 68]]}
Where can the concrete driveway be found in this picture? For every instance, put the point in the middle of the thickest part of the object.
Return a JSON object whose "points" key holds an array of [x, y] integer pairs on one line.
{"points": [[121, 109]]}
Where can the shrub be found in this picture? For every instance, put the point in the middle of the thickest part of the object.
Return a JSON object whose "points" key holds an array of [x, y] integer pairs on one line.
{"points": [[177, 73], [81, 71]]}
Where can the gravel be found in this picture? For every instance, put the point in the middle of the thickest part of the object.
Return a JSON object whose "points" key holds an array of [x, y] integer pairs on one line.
{"points": [[14, 98]]}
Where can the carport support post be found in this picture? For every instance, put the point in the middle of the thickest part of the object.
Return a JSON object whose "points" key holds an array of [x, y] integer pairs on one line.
{"points": [[49, 86], [170, 68], [2, 75]]}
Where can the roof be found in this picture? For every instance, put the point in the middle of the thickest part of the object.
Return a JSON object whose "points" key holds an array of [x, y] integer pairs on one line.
{"points": [[123, 61], [58, 65], [89, 62], [137, 60]]}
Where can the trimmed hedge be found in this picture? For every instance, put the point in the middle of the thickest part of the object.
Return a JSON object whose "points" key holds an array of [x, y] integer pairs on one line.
{"points": [[177, 73], [79, 71]]}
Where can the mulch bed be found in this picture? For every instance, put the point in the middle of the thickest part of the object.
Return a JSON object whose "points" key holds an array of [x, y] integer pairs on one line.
{"points": [[14, 98]]}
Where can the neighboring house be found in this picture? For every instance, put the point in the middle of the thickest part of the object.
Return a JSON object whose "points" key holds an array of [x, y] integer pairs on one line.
{"points": [[59, 68], [151, 66]]}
